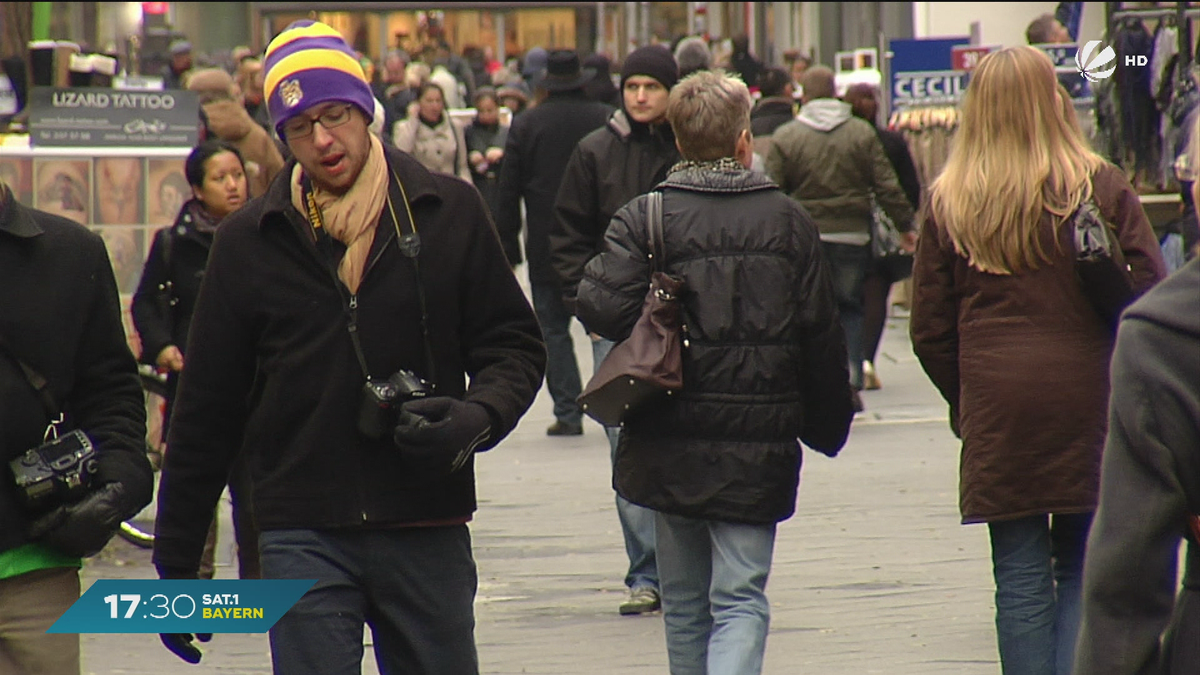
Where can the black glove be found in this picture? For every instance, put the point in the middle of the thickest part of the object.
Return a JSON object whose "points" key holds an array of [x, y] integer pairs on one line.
{"points": [[439, 434], [83, 528], [181, 645]]}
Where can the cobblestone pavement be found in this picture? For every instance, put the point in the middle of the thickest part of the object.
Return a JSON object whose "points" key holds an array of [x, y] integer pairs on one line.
{"points": [[874, 573]]}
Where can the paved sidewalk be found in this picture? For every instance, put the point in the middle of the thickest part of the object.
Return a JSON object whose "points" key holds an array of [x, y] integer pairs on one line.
{"points": [[874, 574]]}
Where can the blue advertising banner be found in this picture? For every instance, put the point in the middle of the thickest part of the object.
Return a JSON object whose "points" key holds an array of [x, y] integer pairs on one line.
{"points": [[1063, 57], [922, 72], [181, 606]]}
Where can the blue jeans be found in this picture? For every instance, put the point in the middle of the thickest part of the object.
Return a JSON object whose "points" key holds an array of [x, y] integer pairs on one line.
{"points": [[415, 588], [848, 266], [562, 370], [714, 580], [637, 522], [1038, 566]]}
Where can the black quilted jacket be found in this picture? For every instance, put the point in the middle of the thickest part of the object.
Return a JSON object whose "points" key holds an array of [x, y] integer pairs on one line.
{"points": [[766, 363]]}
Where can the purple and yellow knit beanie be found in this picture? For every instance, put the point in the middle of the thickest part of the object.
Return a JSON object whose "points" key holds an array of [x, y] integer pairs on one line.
{"points": [[308, 64]]}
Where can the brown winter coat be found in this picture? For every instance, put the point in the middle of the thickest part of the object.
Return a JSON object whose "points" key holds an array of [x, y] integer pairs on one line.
{"points": [[229, 121], [1023, 362]]}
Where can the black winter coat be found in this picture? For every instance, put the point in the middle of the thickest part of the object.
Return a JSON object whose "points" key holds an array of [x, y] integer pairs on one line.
{"points": [[540, 142], [770, 114], [767, 358], [178, 256], [610, 167], [272, 369], [898, 154], [60, 313], [479, 138]]}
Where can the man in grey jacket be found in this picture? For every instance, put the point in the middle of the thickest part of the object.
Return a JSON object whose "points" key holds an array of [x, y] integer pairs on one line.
{"points": [[833, 164], [1149, 490]]}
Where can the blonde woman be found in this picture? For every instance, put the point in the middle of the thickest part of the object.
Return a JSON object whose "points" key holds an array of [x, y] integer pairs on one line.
{"points": [[1001, 325]]}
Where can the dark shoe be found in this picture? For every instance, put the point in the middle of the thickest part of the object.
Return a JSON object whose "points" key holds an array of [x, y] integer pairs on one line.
{"points": [[561, 428], [641, 601]]}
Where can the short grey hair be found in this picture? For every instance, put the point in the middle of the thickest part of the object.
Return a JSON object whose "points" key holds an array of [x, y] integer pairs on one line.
{"points": [[708, 111], [692, 54], [1041, 29]]}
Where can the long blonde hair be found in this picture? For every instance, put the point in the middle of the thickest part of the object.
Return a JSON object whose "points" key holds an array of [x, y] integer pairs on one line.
{"points": [[1015, 158]]}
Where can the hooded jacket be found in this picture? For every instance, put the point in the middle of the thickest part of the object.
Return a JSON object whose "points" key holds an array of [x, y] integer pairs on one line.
{"points": [[608, 168], [1149, 485], [831, 162]]}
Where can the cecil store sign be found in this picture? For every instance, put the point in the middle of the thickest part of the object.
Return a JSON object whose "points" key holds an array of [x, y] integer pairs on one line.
{"points": [[94, 117], [924, 72]]}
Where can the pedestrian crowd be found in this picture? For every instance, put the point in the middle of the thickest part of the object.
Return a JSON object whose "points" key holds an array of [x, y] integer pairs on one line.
{"points": [[338, 312]]}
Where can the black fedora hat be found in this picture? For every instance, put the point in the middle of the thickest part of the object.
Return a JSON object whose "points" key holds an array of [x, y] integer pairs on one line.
{"points": [[563, 72]]}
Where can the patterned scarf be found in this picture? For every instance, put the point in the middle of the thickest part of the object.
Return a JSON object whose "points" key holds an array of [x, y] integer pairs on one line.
{"points": [[726, 164], [351, 218]]}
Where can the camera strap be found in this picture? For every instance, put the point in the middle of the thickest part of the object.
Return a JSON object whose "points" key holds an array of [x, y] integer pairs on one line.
{"points": [[40, 385], [409, 245]]}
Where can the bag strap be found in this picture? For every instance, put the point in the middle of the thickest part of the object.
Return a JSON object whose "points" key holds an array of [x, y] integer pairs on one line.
{"points": [[654, 214], [39, 383]]}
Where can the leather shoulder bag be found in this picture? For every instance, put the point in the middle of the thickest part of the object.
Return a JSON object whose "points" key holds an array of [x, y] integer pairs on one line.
{"points": [[649, 363]]}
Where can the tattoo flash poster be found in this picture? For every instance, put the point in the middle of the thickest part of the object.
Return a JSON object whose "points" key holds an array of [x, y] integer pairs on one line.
{"points": [[63, 187], [120, 184], [17, 173], [167, 191]]}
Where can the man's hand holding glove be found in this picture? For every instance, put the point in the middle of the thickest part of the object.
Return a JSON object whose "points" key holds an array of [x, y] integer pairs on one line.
{"points": [[440, 433], [81, 529], [180, 644]]}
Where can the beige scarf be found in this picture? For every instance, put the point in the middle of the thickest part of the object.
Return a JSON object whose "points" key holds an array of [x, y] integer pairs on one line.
{"points": [[351, 218]]}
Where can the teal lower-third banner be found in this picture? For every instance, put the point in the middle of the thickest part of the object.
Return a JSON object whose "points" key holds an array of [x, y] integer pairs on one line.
{"points": [[181, 606]]}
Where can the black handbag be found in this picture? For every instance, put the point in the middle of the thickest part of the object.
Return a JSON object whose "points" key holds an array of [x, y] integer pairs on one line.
{"points": [[649, 363], [887, 250], [1100, 264]]}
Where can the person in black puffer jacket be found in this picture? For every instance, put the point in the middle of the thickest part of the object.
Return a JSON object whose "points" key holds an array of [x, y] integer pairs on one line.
{"points": [[718, 462]]}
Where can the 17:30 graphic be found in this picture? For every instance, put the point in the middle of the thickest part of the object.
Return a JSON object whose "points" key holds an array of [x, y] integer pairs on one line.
{"points": [[181, 605], [167, 606]]}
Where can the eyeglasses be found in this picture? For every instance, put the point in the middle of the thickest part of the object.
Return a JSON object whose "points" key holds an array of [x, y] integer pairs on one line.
{"points": [[302, 127]]}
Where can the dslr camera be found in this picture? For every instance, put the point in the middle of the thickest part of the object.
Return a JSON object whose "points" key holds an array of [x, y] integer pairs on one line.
{"points": [[381, 401], [56, 472]]}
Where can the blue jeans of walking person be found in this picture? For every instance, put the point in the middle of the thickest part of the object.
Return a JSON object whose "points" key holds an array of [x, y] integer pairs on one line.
{"points": [[562, 370], [714, 579], [637, 522], [415, 587], [849, 265], [1038, 566]]}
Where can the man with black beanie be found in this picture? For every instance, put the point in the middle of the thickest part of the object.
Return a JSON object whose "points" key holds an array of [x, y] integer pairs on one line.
{"points": [[610, 166]]}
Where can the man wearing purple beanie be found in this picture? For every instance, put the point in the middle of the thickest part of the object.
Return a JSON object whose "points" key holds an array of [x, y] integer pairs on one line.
{"points": [[358, 337], [610, 166]]}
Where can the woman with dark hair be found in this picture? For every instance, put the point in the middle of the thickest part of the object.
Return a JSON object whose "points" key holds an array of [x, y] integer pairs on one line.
{"points": [[431, 137], [485, 146], [166, 297]]}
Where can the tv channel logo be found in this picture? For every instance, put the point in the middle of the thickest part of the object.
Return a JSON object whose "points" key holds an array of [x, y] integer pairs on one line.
{"points": [[1096, 64]]}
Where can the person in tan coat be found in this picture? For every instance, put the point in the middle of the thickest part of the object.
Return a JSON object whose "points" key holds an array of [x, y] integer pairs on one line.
{"points": [[1003, 327], [229, 121]]}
